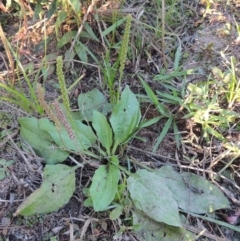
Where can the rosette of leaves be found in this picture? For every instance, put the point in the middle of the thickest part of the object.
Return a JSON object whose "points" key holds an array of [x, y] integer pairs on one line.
{"points": [[100, 140]]}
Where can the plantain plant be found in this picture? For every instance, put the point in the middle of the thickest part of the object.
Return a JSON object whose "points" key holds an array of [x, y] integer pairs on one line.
{"points": [[91, 133], [64, 133]]}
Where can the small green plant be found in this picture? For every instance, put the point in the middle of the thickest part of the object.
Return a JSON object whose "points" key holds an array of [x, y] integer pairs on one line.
{"points": [[4, 164], [232, 87], [171, 98], [15, 93], [204, 107], [201, 105], [74, 136], [70, 135], [17, 97], [174, 98], [113, 186]]}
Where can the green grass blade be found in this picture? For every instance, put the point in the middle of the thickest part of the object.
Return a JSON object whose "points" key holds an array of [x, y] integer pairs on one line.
{"points": [[176, 134], [149, 92], [163, 133], [176, 99], [177, 57], [174, 74], [34, 98], [113, 27], [90, 31], [150, 122], [211, 131], [23, 105], [215, 221], [15, 92]]}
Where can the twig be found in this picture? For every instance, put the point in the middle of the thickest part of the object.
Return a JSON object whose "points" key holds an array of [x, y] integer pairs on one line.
{"points": [[4, 61], [3, 143], [227, 193], [24, 158], [11, 201], [205, 233], [8, 52]]}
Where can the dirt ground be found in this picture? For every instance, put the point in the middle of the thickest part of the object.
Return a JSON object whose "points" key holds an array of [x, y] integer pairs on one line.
{"points": [[206, 40]]}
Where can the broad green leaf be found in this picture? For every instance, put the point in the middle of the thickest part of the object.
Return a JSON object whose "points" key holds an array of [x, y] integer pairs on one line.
{"points": [[41, 141], [125, 116], [151, 195], [163, 133], [84, 136], [114, 160], [56, 190], [150, 230], [217, 73], [229, 113], [104, 186], [120, 192], [92, 100], [116, 212], [88, 202], [103, 130], [190, 190]]}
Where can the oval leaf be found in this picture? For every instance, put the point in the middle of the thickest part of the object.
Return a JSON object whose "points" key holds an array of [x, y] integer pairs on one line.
{"points": [[125, 117], [190, 190], [103, 130], [56, 190], [104, 186], [116, 212], [84, 136], [150, 230], [151, 195], [92, 100], [40, 141]]}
